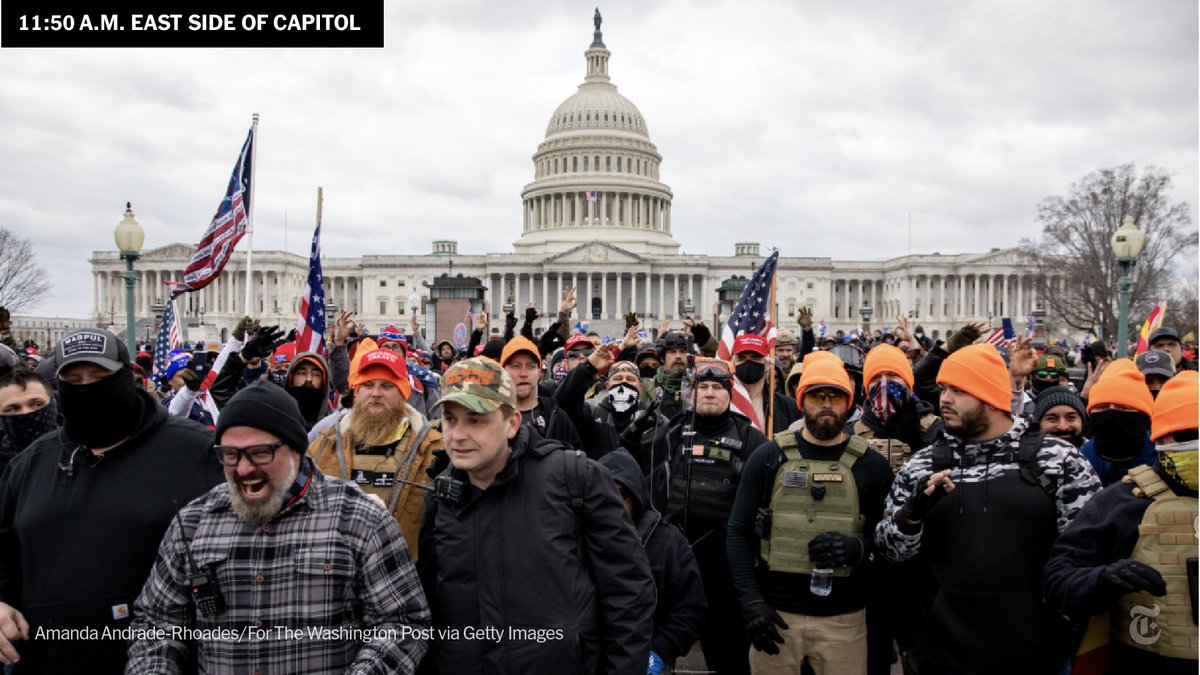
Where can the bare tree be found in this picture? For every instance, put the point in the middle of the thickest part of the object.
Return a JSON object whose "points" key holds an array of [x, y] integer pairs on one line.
{"points": [[23, 282], [1075, 245], [1183, 309]]}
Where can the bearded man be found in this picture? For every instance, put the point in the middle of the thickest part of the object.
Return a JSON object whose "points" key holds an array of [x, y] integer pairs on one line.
{"points": [[800, 572], [279, 545], [383, 445]]}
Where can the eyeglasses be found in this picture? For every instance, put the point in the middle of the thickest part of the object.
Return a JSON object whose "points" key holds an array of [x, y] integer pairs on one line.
{"points": [[819, 396], [257, 454]]}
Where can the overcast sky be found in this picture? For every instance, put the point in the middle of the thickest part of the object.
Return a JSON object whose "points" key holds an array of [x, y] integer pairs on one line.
{"points": [[828, 121]]}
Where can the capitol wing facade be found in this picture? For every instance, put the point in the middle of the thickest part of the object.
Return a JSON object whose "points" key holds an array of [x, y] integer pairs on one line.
{"points": [[596, 217]]}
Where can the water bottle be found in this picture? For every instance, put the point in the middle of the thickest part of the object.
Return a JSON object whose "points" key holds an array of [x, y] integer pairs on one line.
{"points": [[822, 581]]}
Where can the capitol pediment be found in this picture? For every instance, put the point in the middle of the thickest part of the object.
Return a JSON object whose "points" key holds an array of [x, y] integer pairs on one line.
{"points": [[1008, 256], [595, 252], [169, 253]]}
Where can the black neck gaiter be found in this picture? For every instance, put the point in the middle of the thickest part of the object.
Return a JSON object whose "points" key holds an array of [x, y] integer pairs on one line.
{"points": [[100, 414]]}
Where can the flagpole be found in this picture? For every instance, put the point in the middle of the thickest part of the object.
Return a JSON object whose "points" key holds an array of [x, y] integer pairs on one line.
{"points": [[250, 215], [769, 430]]}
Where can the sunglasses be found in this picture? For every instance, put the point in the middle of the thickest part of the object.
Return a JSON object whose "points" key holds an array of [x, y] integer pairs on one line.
{"points": [[579, 353], [1046, 374], [819, 396], [257, 454]]}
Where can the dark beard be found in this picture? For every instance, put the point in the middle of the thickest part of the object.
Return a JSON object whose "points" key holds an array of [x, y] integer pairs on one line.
{"points": [[824, 426], [374, 428], [972, 424]]}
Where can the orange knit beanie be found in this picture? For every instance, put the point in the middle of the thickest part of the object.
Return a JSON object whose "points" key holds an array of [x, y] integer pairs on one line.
{"points": [[980, 371], [1123, 384], [887, 359], [1175, 409]]}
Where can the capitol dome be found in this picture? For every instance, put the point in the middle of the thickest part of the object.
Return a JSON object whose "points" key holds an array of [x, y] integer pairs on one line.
{"points": [[596, 174]]}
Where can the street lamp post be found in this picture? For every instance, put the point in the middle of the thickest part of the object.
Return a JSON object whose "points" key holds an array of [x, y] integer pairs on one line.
{"points": [[1127, 244], [129, 237], [865, 312]]}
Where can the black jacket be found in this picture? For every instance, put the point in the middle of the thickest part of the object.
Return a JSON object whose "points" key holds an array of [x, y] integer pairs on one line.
{"points": [[597, 437], [507, 557], [680, 608], [925, 377], [76, 546]]}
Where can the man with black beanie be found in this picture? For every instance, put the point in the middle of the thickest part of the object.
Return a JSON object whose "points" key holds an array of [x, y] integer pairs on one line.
{"points": [[1060, 412], [82, 511], [281, 545]]}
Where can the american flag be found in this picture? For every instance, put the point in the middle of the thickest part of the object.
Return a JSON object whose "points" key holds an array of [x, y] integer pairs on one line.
{"points": [[310, 329], [591, 196], [168, 338], [228, 226], [751, 314], [998, 335]]}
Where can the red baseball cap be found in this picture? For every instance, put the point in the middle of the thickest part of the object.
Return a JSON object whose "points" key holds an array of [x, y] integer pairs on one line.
{"points": [[576, 340], [748, 342], [385, 364]]}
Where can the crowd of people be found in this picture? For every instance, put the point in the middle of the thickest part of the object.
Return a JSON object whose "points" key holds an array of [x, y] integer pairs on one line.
{"points": [[544, 500]]}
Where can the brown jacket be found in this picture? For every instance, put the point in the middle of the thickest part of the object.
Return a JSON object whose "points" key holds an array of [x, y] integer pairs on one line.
{"points": [[405, 501]]}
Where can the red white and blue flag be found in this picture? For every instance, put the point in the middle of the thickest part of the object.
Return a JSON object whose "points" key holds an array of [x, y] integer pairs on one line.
{"points": [[751, 314], [228, 226], [591, 196], [310, 330], [168, 338]]}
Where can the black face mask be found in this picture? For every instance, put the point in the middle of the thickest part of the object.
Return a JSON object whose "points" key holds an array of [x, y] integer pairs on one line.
{"points": [[100, 414], [279, 377], [750, 372], [1119, 434], [1038, 386], [24, 429], [647, 371], [309, 399]]}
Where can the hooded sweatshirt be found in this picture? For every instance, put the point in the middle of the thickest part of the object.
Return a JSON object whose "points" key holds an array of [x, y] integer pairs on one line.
{"points": [[681, 607], [313, 406]]}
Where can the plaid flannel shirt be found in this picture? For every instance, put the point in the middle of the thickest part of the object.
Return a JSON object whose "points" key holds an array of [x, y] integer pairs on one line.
{"points": [[327, 586]]}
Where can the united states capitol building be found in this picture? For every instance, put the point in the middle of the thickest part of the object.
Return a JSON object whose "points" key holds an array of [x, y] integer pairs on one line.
{"points": [[597, 217]]}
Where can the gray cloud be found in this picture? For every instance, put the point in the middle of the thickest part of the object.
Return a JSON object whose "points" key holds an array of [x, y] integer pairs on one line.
{"points": [[826, 122]]}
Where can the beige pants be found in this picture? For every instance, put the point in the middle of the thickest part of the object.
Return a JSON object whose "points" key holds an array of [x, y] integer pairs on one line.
{"points": [[834, 645]]}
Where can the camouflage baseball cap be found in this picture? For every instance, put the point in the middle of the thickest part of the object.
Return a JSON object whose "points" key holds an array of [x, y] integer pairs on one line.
{"points": [[481, 385]]}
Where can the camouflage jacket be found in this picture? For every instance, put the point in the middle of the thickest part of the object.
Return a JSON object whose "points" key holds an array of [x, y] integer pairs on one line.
{"points": [[1074, 479]]}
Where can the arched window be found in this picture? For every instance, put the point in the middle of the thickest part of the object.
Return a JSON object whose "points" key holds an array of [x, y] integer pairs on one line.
{"points": [[585, 163], [608, 163], [575, 164], [555, 165], [589, 117]]}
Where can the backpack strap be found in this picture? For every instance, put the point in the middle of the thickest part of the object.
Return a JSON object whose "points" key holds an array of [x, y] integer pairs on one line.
{"points": [[1031, 471], [942, 457], [573, 465], [648, 525]]}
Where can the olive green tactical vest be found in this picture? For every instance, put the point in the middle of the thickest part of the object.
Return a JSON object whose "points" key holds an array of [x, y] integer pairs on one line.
{"points": [[1166, 539], [797, 517]]}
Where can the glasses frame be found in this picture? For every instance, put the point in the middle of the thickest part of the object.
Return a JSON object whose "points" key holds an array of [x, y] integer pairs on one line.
{"points": [[219, 451], [821, 396]]}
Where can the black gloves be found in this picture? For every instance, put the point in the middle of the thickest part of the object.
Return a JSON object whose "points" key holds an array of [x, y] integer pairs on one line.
{"points": [[261, 343], [834, 549], [510, 322], [919, 505], [1130, 576], [904, 424], [190, 379], [760, 626], [291, 336], [631, 437], [531, 314], [245, 325], [962, 337]]}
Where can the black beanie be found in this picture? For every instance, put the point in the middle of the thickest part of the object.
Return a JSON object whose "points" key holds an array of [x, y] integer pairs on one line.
{"points": [[1050, 398], [266, 406]]}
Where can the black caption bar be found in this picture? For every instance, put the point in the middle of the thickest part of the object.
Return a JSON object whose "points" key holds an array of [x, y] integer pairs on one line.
{"points": [[45, 23]]}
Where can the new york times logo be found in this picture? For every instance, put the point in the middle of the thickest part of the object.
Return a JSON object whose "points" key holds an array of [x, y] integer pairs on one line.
{"points": [[1143, 629]]}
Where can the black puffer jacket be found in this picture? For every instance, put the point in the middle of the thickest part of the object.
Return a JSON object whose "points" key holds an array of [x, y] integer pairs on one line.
{"points": [[507, 557], [681, 607]]}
